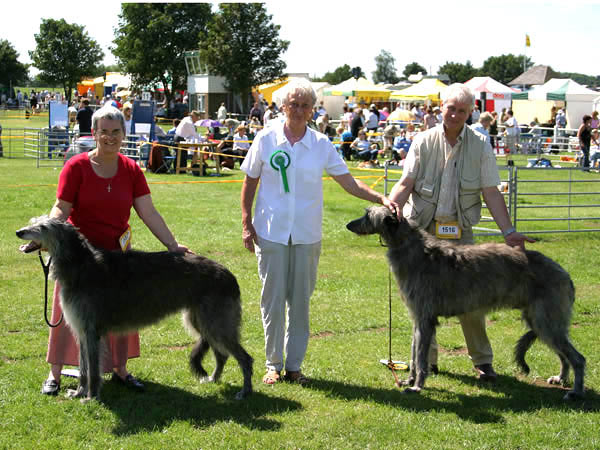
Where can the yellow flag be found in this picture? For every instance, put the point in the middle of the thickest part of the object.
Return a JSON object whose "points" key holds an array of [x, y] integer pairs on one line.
{"points": [[527, 41]]}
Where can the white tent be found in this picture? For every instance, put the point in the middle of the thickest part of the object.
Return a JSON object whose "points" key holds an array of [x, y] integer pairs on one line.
{"points": [[494, 95], [577, 99]]}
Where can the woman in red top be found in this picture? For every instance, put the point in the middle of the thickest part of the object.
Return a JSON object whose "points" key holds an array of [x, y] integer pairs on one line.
{"points": [[96, 191]]}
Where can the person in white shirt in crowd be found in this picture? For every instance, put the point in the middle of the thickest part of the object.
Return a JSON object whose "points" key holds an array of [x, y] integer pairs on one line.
{"points": [[512, 132], [483, 125], [269, 114], [186, 131], [127, 115], [222, 113], [475, 114], [287, 161], [372, 116]]}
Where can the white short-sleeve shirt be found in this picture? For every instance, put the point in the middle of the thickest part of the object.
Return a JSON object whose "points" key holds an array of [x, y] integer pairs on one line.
{"points": [[297, 214]]}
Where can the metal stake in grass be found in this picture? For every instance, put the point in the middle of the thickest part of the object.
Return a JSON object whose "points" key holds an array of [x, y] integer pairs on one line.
{"points": [[391, 364]]}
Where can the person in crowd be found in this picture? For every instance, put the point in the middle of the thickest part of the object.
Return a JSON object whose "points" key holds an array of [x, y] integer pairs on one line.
{"points": [[483, 125], [222, 113], [186, 131], [365, 150], [493, 130], [372, 121], [512, 131], [429, 119], [345, 137], [288, 161], [443, 197], [560, 123], [475, 115], [96, 191], [401, 146], [127, 113], [584, 134], [172, 131], [357, 123], [269, 115], [256, 112], [384, 113], [84, 118], [594, 148], [595, 121], [346, 118]]}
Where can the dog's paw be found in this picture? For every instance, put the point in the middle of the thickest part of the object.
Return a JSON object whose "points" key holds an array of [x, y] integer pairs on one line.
{"points": [[573, 395], [412, 390], [556, 380], [76, 393], [408, 382], [242, 394]]}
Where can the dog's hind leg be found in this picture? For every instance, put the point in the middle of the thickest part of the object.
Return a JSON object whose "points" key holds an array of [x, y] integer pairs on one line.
{"points": [[569, 355], [245, 361], [196, 357], [524, 344]]}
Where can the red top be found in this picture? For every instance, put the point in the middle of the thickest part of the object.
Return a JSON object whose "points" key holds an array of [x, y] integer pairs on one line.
{"points": [[101, 206]]}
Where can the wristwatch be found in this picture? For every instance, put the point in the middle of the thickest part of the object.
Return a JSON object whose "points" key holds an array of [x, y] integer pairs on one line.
{"points": [[508, 231]]}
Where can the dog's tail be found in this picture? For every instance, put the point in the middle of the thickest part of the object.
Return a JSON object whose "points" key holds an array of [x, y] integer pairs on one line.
{"points": [[524, 344]]}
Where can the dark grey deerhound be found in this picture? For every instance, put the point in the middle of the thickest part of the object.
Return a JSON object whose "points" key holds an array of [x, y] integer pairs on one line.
{"points": [[116, 291], [437, 278]]}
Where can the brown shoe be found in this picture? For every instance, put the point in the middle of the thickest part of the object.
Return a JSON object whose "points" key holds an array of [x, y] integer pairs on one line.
{"points": [[486, 372], [295, 376]]}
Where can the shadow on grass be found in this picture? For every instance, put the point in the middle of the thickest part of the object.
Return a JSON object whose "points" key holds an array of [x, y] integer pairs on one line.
{"points": [[160, 405], [517, 397]]}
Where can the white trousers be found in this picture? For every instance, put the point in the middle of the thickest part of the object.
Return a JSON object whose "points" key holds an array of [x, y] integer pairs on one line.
{"points": [[289, 275]]}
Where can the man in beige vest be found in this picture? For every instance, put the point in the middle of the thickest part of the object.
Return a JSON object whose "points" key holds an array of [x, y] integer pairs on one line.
{"points": [[446, 171]]}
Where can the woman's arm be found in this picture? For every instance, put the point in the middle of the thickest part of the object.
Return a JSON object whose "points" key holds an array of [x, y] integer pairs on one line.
{"points": [[359, 189], [151, 217], [247, 199], [61, 210]]}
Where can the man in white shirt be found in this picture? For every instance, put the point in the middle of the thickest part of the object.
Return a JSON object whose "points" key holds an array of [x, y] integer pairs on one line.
{"points": [[512, 132], [222, 113], [289, 159], [186, 131]]}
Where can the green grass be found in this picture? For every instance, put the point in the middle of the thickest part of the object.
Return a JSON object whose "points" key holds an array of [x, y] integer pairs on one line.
{"points": [[351, 402]]}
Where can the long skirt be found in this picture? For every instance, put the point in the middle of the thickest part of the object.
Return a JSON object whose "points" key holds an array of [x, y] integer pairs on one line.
{"points": [[63, 348]]}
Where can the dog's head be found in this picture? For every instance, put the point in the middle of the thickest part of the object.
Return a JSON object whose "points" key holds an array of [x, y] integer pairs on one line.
{"points": [[380, 220], [43, 232]]}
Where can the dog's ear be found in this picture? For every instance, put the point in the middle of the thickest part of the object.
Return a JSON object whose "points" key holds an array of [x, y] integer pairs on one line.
{"points": [[390, 222]]}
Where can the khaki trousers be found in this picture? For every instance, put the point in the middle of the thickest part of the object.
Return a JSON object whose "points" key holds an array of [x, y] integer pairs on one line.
{"points": [[473, 323], [289, 275]]}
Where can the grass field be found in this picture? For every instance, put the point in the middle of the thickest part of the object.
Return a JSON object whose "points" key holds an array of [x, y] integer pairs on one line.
{"points": [[351, 402]]}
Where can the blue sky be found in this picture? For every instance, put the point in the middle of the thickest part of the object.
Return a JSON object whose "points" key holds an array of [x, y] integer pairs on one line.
{"points": [[327, 34]]}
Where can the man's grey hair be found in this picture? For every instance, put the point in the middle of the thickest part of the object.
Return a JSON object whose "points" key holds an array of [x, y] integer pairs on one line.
{"points": [[299, 86], [460, 93], [109, 113]]}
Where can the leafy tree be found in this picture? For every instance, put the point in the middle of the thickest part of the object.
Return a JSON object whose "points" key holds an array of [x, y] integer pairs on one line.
{"points": [[504, 68], [243, 46], [13, 72], [64, 54], [385, 71], [151, 38], [101, 69], [458, 72], [587, 80], [414, 68], [340, 74]]}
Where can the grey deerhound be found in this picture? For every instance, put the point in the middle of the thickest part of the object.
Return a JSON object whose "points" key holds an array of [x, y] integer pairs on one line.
{"points": [[116, 291], [437, 278]]}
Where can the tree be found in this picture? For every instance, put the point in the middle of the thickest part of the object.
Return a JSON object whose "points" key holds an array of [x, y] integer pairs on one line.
{"points": [[64, 54], [385, 71], [151, 39], [458, 72], [504, 68], [243, 46], [340, 74], [13, 72], [413, 68]]}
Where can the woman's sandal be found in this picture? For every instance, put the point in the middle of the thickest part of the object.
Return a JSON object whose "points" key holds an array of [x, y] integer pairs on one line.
{"points": [[295, 377], [271, 377]]}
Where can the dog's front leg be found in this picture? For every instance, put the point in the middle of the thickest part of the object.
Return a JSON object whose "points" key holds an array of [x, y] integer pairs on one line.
{"points": [[93, 365], [413, 358], [82, 389], [422, 334]]}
